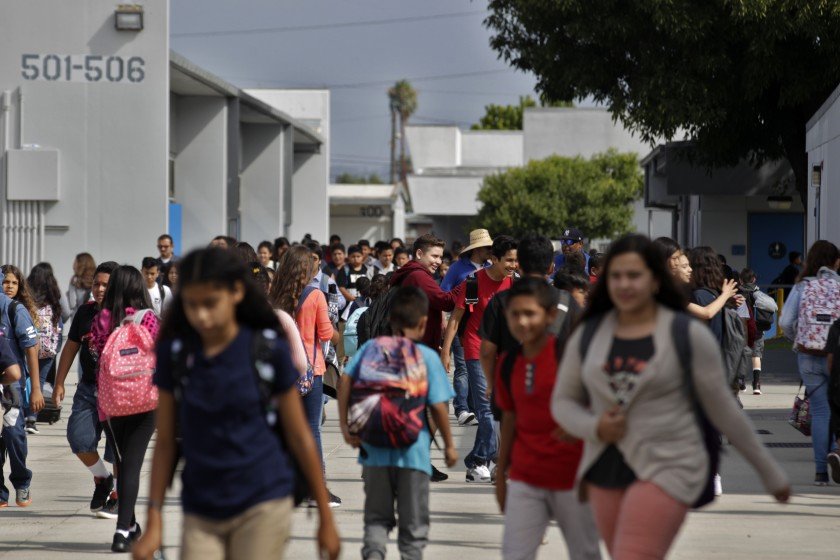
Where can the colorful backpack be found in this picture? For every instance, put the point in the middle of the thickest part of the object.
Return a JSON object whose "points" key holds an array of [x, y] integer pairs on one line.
{"points": [[49, 333], [126, 367], [388, 396], [819, 307]]}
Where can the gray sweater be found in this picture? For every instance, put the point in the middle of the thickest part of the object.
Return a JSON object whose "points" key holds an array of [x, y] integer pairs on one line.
{"points": [[663, 443]]}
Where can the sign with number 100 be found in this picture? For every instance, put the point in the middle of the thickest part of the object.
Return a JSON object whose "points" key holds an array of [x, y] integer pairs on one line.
{"points": [[82, 68]]}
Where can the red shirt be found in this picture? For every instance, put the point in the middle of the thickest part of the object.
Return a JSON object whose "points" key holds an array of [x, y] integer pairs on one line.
{"points": [[487, 288], [537, 458]]}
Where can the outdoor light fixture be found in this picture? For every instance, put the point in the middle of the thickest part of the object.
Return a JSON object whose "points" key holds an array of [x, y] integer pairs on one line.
{"points": [[128, 17], [780, 202], [816, 176]]}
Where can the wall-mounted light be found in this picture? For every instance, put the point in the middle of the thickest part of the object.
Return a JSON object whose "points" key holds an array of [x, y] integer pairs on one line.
{"points": [[816, 176], [128, 17], [780, 202]]}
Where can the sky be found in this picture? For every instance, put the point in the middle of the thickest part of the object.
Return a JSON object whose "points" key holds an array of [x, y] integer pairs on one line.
{"points": [[357, 49]]}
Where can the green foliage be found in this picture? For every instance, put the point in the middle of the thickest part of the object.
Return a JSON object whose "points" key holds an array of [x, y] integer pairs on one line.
{"points": [[509, 117], [547, 196], [403, 99], [353, 179], [741, 78]]}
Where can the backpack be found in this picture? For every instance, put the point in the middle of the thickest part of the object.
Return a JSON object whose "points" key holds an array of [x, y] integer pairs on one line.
{"points": [[737, 362], [818, 309], [262, 351], [764, 309], [470, 301], [711, 437], [377, 321], [351, 337], [388, 396], [48, 335], [332, 299], [16, 397], [126, 366]]}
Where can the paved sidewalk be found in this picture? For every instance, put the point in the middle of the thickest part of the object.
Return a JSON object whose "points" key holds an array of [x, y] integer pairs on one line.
{"points": [[744, 524]]}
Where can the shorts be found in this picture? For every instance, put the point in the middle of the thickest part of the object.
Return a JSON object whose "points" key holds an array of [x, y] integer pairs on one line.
{"points": [[757, 349], [84, 430]]}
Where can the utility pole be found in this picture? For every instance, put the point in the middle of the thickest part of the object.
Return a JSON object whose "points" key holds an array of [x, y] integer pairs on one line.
{"points": [[394, 107]]}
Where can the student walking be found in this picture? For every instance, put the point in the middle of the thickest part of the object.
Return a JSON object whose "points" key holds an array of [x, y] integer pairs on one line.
{"points": [[47, 299], [238, 478], [78, 292], [396, 465], [160, 295], [541, 466], [807, 316], [623, 391]]}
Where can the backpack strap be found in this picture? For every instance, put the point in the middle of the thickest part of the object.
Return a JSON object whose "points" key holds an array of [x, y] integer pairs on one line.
{"points": [[471, 293], [508, 362], [12, 311], [589, 327], [325, 284], [563, 307]]}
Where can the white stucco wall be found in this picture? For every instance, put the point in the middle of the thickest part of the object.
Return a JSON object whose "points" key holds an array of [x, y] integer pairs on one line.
{"points": [[496, 148], [434, 146], [823, 146], [444, 196]]}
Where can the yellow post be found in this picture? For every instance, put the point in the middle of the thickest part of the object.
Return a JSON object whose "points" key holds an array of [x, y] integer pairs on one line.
{"points": [[780, 302]]}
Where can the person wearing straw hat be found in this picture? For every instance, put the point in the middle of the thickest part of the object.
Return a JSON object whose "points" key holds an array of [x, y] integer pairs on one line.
{"points": [[473, 257]]}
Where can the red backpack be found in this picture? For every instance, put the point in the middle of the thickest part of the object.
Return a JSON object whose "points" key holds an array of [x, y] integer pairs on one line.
{"points": [[126, 367], [388, 396]]}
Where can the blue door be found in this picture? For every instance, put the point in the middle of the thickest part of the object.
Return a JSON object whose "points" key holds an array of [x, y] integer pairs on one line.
{"points": [[772, 236]]}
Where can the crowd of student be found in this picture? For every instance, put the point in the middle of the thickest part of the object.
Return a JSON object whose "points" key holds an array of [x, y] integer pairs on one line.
{"points": [[599, 384]]}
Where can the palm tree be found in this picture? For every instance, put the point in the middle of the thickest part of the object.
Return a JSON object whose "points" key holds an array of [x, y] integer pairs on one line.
{"points": [[403, 103]]}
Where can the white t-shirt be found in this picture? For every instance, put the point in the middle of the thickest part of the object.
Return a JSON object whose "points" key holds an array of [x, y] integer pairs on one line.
{"points": [[157, 297]]}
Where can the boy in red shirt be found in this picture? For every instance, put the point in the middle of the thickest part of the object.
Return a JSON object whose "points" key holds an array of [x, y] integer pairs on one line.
{"points": [[540, 463], [491, 280]]}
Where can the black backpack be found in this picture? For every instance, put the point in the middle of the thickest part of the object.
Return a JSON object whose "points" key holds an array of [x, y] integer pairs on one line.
{"points": [[376, 321], [262, 350], [470, 301], [682, 344], [763, 318]]}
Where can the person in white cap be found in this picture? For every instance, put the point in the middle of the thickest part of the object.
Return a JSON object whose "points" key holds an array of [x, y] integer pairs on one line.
{"points": [[473, 257]]}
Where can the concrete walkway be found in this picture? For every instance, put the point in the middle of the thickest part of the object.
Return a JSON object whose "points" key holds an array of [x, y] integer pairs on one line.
{"points": [[745, 523]]}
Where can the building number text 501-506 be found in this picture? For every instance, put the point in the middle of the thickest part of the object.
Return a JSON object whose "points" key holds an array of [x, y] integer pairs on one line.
{"points": [[82, 68]]}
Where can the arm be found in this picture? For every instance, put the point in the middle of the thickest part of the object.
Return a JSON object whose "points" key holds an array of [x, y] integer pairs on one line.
{"points": [[487, 356], [569, 401], [449, 335], [10, 375], [36, 399], [440, 415], [68, 354], [163, 464], [293, 338], [706, 313], [302, 446], [790, 313], [344, 385], [438, 299], [507, 433], [707, 372]]}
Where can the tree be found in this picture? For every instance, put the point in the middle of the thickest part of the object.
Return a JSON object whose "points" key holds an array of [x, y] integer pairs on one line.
{"points": [[547, 196], [402, 99], [353, 179], [741, 78], [509, 117]]}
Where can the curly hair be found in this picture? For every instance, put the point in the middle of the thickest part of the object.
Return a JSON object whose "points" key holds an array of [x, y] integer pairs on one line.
{"points": [[24, 296], [294, 272], [707, 271]]}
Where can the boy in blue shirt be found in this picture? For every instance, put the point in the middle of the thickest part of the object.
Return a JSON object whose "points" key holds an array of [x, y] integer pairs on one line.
{"points": [[401, 474]]}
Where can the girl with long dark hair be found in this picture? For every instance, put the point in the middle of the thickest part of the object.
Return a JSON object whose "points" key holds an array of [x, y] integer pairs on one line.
{"points": [[811, 308], [237, 478], [625, 396], [130, 435], [47, 297]]}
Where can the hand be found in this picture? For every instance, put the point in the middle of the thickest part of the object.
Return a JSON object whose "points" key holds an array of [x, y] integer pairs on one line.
{"points": [[612, 425], [36, 401], [450, 455], [501, 492], [151, 540], [352, 440], [561, 435], [444, 357], [729, 289], [58, 395], [783, 496], [329, 543], [739, 300]]}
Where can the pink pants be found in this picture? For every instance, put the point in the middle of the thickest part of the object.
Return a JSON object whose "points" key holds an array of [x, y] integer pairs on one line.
{"points": [[637, 523]]}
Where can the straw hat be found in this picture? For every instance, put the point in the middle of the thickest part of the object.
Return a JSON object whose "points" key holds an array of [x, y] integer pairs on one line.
{"points": [[478, 238]]}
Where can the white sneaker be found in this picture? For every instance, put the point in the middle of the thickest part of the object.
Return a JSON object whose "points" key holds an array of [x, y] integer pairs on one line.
{"points": [[465, 418], [718, 486], [478, 474]]}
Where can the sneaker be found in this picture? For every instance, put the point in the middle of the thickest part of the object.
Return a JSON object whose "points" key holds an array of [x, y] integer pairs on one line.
{"points": [[120, 543], [23, 497], [136, 533], [466, 418], [493, 474], [757, 389], [833, 461], [438, 476], [742, 384], [4, 504], [478, 474], [718, 486], [101, 492], [111, 508], [31, 428], [335, 501], [821, 479]]}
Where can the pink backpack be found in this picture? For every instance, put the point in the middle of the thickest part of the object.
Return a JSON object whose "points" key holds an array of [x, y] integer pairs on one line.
{"points": [[126, 366], [818, 309]]}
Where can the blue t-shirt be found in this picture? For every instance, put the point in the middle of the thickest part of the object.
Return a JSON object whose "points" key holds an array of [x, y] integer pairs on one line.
{"points": [[232, 459], [416, 456], [25, 335], [458, 272]]}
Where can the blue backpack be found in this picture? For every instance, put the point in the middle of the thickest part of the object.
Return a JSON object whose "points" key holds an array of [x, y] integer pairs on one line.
{"points": [[351, 335]]}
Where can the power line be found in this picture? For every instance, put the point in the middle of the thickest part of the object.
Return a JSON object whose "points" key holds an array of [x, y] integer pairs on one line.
{"points": [[321, 26], [378, 83]]}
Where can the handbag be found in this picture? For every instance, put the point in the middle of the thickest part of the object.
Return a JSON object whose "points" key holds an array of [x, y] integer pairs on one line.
{"points": [[800, 414]]}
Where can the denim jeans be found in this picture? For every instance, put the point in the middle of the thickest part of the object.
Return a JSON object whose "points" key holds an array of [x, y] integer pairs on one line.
{"points": [[813, 370], [313, 405], [44, 367], [14, 444], [84, 430], [460, 383], [484, 449]]}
